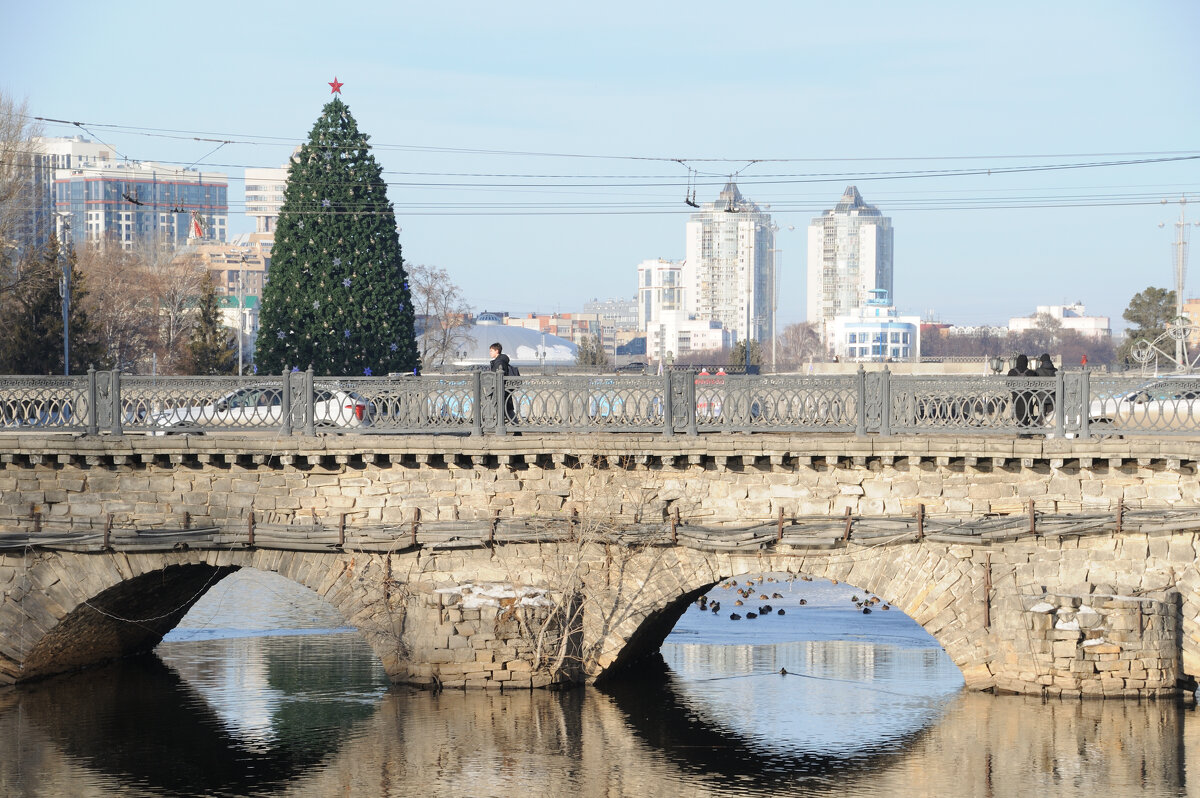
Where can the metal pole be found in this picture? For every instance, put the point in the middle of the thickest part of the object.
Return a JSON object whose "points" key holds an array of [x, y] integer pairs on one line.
{"points": [[774, 302], [65, 290], [1180, 266], [241, 311]]}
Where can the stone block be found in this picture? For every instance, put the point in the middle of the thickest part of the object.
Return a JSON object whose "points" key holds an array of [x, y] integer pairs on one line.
{"points": [[1065, 649]]}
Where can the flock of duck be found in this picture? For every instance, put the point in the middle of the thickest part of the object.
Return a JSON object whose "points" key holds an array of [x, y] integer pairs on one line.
{"points": [[752, 586]]}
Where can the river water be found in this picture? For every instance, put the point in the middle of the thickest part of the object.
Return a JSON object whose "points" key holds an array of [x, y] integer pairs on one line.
{"points": [[261, 691]]}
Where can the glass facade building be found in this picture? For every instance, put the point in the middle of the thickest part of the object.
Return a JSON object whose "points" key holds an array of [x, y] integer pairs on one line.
{"points": [[126, 203]]}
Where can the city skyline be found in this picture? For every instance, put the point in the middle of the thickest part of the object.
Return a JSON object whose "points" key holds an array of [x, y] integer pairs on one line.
{"points": [[1022, 153]]}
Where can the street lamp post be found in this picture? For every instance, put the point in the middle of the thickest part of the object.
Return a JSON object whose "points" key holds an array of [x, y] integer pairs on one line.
{"points": [[241, 311], [1180, 275], [64, 290]]}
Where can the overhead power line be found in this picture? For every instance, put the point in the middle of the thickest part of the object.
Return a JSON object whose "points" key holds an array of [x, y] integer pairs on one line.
{"points": [[260, 139]]}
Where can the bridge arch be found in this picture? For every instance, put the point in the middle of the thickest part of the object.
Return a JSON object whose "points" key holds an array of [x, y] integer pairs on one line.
{"points": [[1094, 615], [935, 591], [69, 610]]}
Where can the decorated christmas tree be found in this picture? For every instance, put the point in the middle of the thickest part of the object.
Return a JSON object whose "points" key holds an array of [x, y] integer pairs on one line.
{"points": [[337, 296]]}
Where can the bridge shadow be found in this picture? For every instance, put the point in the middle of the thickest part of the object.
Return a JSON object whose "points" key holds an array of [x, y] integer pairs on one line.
{"points": [[138, 722]]}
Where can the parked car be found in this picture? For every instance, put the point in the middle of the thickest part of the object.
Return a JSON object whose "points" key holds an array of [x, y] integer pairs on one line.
{"points": [[262, 406], [1165, 403]]}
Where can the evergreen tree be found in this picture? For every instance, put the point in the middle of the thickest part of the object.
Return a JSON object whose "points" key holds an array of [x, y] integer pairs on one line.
{"points": [[737, 356], [1148, 314], [32, 338], [86, 350], [338, 296], [590, 352], [213, 348]]}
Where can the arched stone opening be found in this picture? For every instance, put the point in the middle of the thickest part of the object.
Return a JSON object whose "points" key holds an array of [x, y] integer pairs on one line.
{"points": [[913, 600], [128, 618]]}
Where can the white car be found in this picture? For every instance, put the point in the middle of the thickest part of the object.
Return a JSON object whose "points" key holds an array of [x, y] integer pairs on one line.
{"points": [[1167, 403], [262, 406]]}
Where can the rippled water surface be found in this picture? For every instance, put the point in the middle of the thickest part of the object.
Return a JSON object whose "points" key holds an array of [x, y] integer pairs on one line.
{"points": [[262, 691]]}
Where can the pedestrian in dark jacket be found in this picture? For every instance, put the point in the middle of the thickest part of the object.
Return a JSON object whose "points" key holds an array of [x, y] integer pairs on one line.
{"points": [[1046, 368], [502, 364], [1022, 397]]}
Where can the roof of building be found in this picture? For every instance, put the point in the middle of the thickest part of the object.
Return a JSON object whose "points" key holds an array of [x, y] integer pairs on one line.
{"points": [[852, 201], [523, 346]]}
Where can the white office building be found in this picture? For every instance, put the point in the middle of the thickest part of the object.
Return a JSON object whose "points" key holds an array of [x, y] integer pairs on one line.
{"points": [[875, 332], [35, 167], [1070, 317], [849, 257], [662, 288], [667, 312], [264, 196], [730, 266]]}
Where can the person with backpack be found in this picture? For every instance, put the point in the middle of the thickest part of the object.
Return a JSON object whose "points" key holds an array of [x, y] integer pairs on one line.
{"points": [[1023, 398], [501, 363], [1045, 368]]}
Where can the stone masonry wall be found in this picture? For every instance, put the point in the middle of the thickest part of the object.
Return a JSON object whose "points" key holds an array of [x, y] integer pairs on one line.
{"points": [[972, 598], [706, 480], [1102, 645], [491, 636]]}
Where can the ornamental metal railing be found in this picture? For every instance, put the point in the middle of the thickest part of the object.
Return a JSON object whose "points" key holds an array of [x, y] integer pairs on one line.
{"points": [[1072, 404]]}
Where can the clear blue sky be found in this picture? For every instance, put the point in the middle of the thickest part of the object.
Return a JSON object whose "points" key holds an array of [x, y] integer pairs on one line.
{"points": [[602, 96]]}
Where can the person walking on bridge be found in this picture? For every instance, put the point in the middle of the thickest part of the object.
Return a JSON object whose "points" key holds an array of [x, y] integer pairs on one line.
{"points": [[1022, 396], [501, 363]]}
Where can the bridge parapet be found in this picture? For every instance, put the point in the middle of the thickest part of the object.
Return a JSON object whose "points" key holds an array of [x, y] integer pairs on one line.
{"points": [[1074, 403]]}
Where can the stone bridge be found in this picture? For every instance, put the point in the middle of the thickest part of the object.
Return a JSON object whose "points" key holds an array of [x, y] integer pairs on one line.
{"points": [[1058, 567]]}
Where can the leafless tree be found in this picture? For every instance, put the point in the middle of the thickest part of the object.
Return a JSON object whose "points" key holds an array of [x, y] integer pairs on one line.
{"points": [[443, 316], [798, 344], [175, 283], [121, 306], [17, 186]]}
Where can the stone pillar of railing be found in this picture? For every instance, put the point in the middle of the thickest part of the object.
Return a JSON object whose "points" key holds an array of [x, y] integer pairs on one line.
{"points": [[729, 402], [861, 390], [667, 410], [689, 393], [500, 392], [310, 400], [117, 411], [476, 403], [1060, 411], [885, 403], [1085, 399], [93, 422], [286, 404]]}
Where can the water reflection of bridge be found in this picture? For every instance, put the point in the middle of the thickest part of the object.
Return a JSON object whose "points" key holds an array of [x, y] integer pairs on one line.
{"points": [[649, 738]]}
